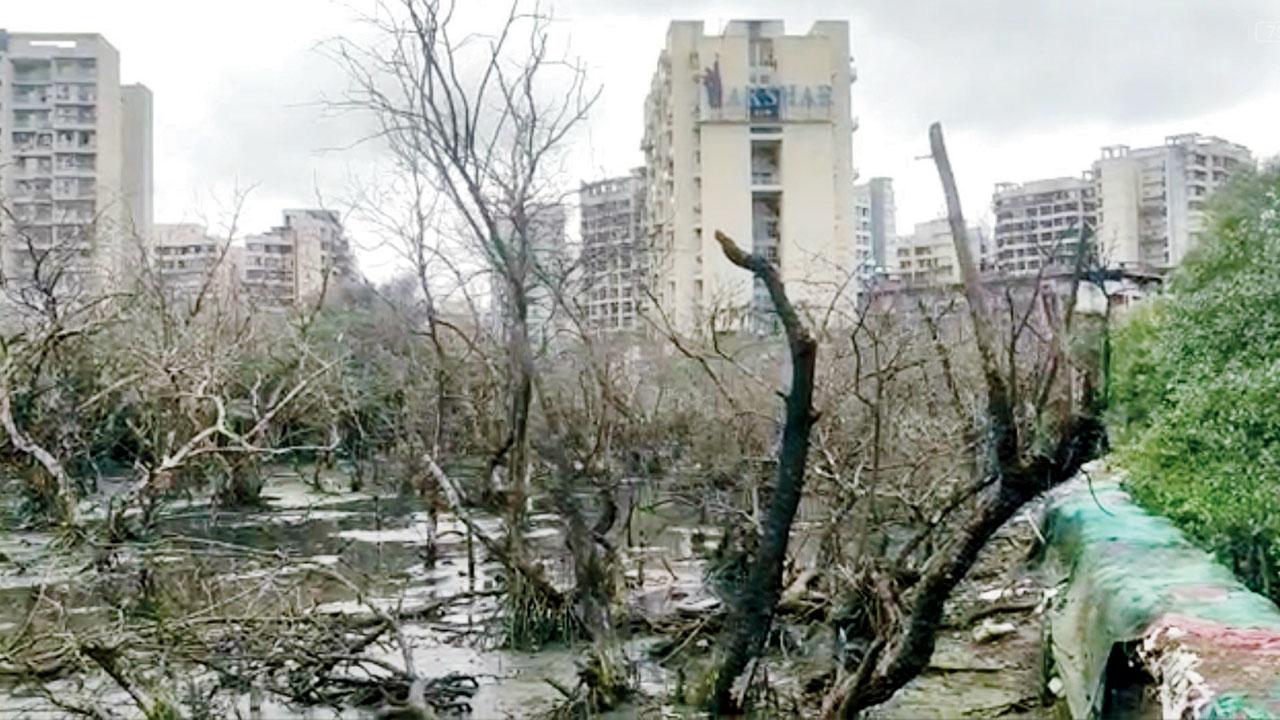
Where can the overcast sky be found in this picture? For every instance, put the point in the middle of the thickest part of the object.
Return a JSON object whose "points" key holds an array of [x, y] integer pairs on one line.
{"points": [[1025, 89]]}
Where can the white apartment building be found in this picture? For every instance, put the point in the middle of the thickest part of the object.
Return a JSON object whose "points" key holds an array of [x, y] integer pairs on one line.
{"points": [[294, 262], [928, 256], [189, 263], [75, 156], [1040, 224], [749, 132], [1151, 200], [875, 227], [612, 260], [137, 179], [545, 234]]}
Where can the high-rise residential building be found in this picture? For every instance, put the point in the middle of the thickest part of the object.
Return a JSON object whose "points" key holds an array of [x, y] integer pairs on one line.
{"points": [[1151, 200], [928, 256], [191, 264], [297, 261], [544, 231], [749, 132], [875, 227], [75, 162], [1040, 224], [612, 260], [137, 183]]}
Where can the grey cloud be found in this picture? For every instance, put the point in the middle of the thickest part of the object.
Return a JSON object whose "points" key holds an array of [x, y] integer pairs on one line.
{"points": [[998, 66], [271, 128]]}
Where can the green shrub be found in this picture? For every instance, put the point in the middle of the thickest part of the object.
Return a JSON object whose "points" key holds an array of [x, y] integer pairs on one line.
{"points": [[1195, 401]]}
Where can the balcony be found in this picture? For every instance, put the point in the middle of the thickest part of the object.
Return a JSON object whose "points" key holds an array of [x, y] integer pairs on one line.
{"points": [[77, 147], [765, 161], [33, 214], [74, 212], [75, 171], [76, 141], [75, 94], [31, 148], [33, 76], [77, 71], [75, 119], [31, 121], [33, 170], [30, 100], [75, 191], [24, 191]]}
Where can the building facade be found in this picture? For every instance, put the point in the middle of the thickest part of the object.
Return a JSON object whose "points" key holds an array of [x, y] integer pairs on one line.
{"points": [[612, 262], [295, 262], [137, 175], [1151, 200], [544, 232], [75, 162], [876, 226], [928, 256], [1040, 224], [191, 264], [749, 132]]}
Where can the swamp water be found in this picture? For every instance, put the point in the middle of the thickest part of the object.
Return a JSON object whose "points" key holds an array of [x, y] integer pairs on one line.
{"points": [[380, 542]]}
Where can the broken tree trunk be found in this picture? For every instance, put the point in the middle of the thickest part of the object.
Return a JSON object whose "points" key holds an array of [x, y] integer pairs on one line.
{"points": [[1014, 478], [751, 613]]}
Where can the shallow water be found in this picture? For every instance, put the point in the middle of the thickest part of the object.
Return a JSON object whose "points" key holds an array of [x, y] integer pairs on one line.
{"points": [[381, 541]]}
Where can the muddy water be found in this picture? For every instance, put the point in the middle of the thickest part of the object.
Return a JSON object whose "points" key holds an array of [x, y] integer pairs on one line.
{"points": [[381, 542]]}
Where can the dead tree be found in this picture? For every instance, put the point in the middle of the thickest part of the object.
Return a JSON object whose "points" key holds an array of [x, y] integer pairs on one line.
{"points": [[478, 116], [1016, 470], [751, 614], [53, 305]]}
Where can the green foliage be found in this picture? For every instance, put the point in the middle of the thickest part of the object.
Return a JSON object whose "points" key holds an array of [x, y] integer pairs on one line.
{"points": [[1196, 382], [531, 620], [1139, 381]]}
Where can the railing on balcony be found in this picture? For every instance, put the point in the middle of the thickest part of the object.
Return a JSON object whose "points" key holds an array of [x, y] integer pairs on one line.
{"points": [[29, 214], [75, 94], [27, 170], [76, 71], [75, 118], [31, 122], [76, 147], [76, 192]]}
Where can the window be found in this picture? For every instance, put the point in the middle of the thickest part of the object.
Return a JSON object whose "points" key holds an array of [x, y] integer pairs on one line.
{"points": [[760, 53]]}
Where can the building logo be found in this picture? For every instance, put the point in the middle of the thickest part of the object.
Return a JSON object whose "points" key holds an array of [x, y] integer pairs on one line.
{"points": [[715, 88], [763, 101]]}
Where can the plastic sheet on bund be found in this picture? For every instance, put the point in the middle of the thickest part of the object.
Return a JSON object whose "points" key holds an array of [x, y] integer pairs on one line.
{"points": [[1131, 577]]}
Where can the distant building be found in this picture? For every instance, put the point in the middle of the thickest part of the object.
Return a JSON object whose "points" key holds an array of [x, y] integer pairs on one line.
{"points": [[875, 225], [191, 264], [928, 257], [548, 276], [612, 260], [749, 132], [75, 157], [1040, 224], [295, 262], [1152, 200], [137, 181], [945, 302]]}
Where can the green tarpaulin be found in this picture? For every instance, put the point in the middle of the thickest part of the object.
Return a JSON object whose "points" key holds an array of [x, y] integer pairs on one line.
{"points": [[1131, 577]]}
